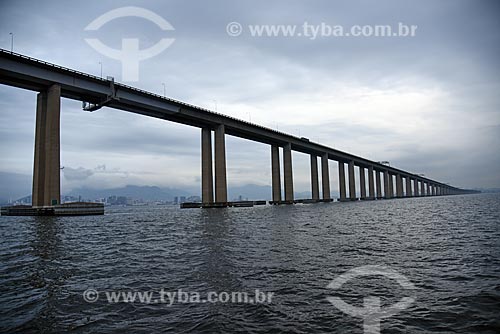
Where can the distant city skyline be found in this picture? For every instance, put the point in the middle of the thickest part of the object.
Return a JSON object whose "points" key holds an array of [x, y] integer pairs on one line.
{"points": [[427, 104]]}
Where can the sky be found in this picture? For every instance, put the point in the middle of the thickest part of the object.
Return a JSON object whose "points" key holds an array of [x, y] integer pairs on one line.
{"points": [[427, 103]]}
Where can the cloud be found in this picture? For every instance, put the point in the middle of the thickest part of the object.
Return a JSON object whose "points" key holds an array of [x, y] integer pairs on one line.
{"points": [[426, 104], [77, 174]]}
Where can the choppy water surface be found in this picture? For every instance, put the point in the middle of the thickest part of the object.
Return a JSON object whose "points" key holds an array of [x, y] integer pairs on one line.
{"points": [[448, 247]]}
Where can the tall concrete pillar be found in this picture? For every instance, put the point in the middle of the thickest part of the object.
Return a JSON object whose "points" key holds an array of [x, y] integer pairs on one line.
{"points": [[371, 185], [342, 189], [287, 169], [422, 188], [399, 186], [391, 186], [387, 184], [434, 190], [325, 177], [275, 171], [352, 182], [47, 159], [314, 177], [362, 183], [379, 184], [207, 181], [220, 165], [416, 188], [409, 192]]}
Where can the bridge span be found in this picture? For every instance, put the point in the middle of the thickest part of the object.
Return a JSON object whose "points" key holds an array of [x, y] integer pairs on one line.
{"points": [[53, 82]]}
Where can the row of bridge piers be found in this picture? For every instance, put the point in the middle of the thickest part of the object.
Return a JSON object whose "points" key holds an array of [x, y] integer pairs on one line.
{"points": [[370, 177], [46, 172]]}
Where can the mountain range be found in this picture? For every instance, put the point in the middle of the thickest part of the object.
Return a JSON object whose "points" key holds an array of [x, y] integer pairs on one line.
{"points": [[15, 186]]}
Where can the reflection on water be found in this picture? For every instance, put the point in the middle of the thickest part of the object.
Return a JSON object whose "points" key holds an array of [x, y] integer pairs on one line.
{"points": [[448, 247]]}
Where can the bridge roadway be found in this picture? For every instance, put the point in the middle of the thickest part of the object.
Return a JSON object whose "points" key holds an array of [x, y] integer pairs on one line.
{"points": [[53, 82]]}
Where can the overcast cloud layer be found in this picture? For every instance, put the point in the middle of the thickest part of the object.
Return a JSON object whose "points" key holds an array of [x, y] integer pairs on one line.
{"points": [[428, 104]]}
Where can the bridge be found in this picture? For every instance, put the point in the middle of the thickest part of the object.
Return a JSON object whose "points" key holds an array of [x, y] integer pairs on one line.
{"points": [[52, 82]]}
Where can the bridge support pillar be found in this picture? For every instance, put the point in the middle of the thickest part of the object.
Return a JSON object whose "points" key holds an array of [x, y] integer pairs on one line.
{"points": [[409, 192], [371, 184], [399, 186], [46, 168], [220, 165], [434, 190], [387, 184], [207, 181], [352, 182], [391, 186], [275, 171], [422, 188], [287, 169], [379, 184], [325, 177], [342, 187], [314, 178], [362, 183]]}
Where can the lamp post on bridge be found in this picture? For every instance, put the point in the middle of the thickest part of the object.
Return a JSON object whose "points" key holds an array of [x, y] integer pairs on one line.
{"points": [[11, 42]]}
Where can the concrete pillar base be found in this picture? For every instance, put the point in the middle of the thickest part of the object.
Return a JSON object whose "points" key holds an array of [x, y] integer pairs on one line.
{"points": [[281, 202], [215, 205], [326, 200]]}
